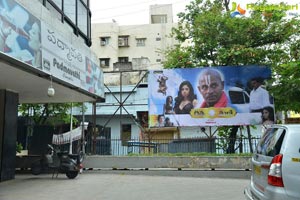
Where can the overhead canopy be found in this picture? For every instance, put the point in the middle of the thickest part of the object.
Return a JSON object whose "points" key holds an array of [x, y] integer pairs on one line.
{"points": [[32, 84]]}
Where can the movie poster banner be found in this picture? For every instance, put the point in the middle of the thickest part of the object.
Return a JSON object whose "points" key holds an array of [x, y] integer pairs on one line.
{"points": [[20, 33], [209, 96]]}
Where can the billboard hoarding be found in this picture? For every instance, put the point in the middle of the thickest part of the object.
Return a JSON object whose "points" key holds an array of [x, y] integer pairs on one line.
{"points": [[217, 96]]}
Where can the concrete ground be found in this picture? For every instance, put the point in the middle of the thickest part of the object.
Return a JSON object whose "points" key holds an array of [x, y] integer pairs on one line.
{"points": [[129, 185]]}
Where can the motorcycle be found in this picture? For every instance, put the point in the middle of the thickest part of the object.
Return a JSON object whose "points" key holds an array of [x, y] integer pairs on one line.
{"points": [[63, 162]]}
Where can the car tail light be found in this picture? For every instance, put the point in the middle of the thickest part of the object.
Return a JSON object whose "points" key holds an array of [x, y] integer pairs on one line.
{"points": [[275, 172]]}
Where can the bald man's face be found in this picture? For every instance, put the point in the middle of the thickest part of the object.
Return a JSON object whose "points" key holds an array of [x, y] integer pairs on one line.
{"points": [[211, 87]]}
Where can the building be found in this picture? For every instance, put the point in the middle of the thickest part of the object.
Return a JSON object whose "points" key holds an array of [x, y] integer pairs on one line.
{"points": [[134, 47], [45, 58], [125, 54]]}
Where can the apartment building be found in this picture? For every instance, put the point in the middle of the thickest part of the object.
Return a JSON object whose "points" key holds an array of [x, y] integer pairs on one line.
{"points": [[133, 47], [125, 54]]}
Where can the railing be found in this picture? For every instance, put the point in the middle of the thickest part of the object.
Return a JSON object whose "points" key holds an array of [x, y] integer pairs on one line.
{"points": [[117, 147]]}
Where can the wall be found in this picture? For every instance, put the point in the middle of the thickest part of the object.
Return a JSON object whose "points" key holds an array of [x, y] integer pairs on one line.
{"points": [[190, 162]]}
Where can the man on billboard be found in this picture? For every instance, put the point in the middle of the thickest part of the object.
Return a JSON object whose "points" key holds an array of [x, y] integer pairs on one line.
{"points": [[211, 86], [259, 97], [222, 96]]}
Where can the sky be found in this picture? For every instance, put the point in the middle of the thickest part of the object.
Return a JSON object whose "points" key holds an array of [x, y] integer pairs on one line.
{"points": [[133, 12], [130, 12]]}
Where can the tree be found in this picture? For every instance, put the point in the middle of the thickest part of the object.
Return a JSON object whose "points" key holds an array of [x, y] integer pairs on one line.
{"points": [[263, 38], [48, 114]]}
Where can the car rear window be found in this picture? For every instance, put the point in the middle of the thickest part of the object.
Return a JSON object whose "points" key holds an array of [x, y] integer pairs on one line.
{"points": [[238, 97], [271, 141]]}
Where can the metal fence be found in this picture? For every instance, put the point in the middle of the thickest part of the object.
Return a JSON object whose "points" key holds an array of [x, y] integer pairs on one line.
{"points": [[118, 147]]}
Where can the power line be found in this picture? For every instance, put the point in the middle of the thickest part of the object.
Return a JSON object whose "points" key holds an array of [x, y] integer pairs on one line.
{"points": [[124, 5], [130, 13]]}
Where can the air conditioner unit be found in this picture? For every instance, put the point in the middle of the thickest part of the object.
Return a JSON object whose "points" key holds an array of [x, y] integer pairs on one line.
{"points": [[121, 42], [103, 64], [103, 43]]}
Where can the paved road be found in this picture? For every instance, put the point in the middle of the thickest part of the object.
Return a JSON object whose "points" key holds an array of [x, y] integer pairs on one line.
{"points": [[127, 185]]}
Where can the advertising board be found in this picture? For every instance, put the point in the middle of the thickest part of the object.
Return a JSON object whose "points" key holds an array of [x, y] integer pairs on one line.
{"points": [[208, 96]]}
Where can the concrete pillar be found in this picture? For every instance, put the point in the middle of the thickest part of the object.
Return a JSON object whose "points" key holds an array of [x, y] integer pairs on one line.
{"points": [[8, 133]]}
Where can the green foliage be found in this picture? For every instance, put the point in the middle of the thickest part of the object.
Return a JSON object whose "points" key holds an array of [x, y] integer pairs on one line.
{"points": [[286, 88], [179, 57], [224, 134], [19, 147], [263, 38], [50, 114]]}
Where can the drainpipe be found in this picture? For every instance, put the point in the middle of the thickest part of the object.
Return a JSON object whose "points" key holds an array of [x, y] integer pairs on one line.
{"points": [[71, 128]]}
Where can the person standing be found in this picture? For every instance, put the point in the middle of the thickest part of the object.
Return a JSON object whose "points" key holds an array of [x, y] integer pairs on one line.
{"points": [[259, 97], [168, 106]]}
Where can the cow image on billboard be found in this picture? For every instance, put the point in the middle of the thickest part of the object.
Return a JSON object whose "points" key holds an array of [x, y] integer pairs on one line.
{"points": [[209, 96]]}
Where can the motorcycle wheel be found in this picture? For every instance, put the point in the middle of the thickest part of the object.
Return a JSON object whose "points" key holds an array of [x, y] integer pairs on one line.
{"points": [[72, 174], [36, 168]]}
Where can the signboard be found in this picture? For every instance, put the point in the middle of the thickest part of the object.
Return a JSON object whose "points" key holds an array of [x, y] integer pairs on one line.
{"points": [[240, 8], [209, 96], [26, 38], [64, 61]]}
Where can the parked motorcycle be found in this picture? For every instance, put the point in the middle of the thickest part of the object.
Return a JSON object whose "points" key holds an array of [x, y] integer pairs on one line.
{"points": [[63, 162]]}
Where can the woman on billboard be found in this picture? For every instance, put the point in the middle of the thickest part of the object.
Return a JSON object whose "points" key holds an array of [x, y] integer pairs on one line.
{"points": [[186, 99]]}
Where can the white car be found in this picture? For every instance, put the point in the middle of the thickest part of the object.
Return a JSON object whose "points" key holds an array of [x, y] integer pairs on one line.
{"points": [[276, 165], [239, 99]]}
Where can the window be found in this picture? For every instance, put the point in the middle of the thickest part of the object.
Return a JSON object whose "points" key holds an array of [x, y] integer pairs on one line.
{"points": [[159, 19], [75, 12], [125, 134], [140, 42], [82, 18], [104, 62], [58, 3], [104, 41], [271, 142], [85, 2], [123, 59], [54, 12], [123, 41], [238, 97], [143, 118], [70, 10]]}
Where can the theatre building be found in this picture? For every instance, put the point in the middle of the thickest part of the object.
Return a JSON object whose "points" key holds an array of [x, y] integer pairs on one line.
{"points": [[45, 57]]}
